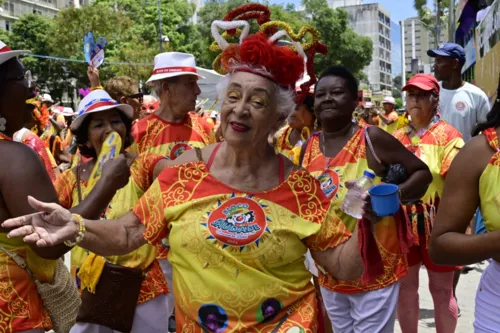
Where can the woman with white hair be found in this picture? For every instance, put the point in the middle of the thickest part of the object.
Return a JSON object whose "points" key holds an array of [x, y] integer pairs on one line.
{"points": [[238, 217]]}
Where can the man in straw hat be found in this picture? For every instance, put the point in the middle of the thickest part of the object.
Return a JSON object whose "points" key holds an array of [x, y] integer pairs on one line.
{"points": [[173, 129], [389, 118]]}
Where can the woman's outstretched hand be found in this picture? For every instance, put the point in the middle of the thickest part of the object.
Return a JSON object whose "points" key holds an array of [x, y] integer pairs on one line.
{"points": [[52, 225]]}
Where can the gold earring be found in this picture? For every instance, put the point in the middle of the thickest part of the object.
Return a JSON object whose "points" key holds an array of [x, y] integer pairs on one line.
{"points": [[316, 124]]}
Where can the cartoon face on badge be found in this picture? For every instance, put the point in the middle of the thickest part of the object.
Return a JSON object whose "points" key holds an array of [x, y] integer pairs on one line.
{"points": [[239, 221], [329, 182], [178, 149]]}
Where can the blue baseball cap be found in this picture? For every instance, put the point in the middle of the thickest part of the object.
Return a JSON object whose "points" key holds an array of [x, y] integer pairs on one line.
{"points": [[449, 50]]}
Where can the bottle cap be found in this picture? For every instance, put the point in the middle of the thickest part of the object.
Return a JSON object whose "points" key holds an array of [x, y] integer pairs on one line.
{"points": [[369, 174]]}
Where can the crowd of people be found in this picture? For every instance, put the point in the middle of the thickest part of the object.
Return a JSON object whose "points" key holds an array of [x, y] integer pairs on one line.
{"points": [[237, 221]]}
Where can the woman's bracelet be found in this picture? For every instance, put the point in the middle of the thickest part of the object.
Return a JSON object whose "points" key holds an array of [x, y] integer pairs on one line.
{"points": [[97, 88], [81, 231]]}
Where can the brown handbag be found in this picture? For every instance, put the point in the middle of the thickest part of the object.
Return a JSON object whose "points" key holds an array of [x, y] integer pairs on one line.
{"points": [[115, 300], [117, 292]]}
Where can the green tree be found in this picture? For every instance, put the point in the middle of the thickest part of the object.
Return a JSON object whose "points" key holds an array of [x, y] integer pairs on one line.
{"points": [[428, 15], [176, 24], [69, 29], [399, 103], [398, 82], [396, 93], [30, 33], [345, 47], [5, 36], [212, 10]]}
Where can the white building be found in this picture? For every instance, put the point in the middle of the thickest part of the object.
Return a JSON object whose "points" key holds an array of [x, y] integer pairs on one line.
{"points": [[373, 20], [418, 40], [343, 3], [11, 10]]}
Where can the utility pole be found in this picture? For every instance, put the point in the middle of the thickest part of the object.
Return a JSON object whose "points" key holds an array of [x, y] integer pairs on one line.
{"points": [[160, 37], [403, 60], [451, 23], [438, 20]]}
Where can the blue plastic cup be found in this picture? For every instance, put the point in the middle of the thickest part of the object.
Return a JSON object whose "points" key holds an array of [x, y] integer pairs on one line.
{"points": [[385, 199]]}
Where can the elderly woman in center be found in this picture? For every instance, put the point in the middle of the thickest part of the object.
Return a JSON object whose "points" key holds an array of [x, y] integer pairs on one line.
{"points": [[436, 143], [235, 213]]}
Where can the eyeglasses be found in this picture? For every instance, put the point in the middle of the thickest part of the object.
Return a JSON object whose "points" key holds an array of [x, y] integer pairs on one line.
{"points": [[139, 96], [26, 76]]}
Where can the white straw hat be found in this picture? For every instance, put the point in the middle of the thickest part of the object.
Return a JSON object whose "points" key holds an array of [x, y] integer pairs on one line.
{"points": [[96, 101], [6, 53], [170, 64], [389, 100], [65, 111], [47, 98]]}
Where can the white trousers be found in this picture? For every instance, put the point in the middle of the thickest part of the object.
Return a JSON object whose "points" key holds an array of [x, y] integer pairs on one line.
{"points": [[371, 311], [150, 317], [486, 314], [166, 267]]}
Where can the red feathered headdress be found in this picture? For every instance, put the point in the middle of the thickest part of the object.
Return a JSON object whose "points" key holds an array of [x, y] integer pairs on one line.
{"points": [[284, 64]]}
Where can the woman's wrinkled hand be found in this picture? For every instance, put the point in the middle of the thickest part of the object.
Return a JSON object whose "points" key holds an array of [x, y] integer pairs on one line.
{"points": [[52, 225]]}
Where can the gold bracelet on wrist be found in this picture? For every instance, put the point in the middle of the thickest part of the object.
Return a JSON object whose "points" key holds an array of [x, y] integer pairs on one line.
{"points": [[97, 88], [81, 231]]}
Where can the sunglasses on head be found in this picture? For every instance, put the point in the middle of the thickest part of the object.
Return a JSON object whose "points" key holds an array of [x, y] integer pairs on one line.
{"points": [[139, 96]]}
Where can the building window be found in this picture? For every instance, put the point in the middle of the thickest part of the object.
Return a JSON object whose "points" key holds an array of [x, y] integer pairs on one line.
{"points": [[11, 8], [7, 25]]}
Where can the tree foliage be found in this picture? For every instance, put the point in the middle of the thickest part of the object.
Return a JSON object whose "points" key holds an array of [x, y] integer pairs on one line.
{"points": [[132, 31], [30, 33], [429, 15], [345, 47]]}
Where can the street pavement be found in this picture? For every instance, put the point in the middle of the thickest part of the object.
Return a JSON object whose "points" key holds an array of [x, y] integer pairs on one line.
{"points": [[466, 294]]}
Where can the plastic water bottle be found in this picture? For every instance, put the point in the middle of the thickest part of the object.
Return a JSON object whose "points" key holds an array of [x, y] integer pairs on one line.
{"points": [[352, 202]]}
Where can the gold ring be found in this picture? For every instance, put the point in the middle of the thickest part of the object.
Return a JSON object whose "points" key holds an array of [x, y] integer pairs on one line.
{"points": [[32, 230]]}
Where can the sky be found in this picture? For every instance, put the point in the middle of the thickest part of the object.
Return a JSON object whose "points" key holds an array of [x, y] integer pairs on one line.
{"points": [[399, 9]]}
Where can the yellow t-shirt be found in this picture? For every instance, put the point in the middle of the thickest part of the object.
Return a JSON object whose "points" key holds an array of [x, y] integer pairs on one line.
{"points": [[391, 128], [488, 185], [238, 258], [152, 134]]}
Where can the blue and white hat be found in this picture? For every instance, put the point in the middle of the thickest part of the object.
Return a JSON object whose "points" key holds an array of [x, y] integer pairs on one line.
{"points": [[96, 101]]}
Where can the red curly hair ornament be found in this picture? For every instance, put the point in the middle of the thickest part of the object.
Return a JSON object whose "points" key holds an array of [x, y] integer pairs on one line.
{"points": [[305, 88], [283, 64]]}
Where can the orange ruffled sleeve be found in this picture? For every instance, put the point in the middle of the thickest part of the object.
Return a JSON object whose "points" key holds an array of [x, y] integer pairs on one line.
{"points": [[64, 185]]}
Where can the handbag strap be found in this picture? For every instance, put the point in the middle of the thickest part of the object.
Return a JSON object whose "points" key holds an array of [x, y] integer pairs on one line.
{"points": [[370, 145], [18, 260], [303, 150], [199, 155]]}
